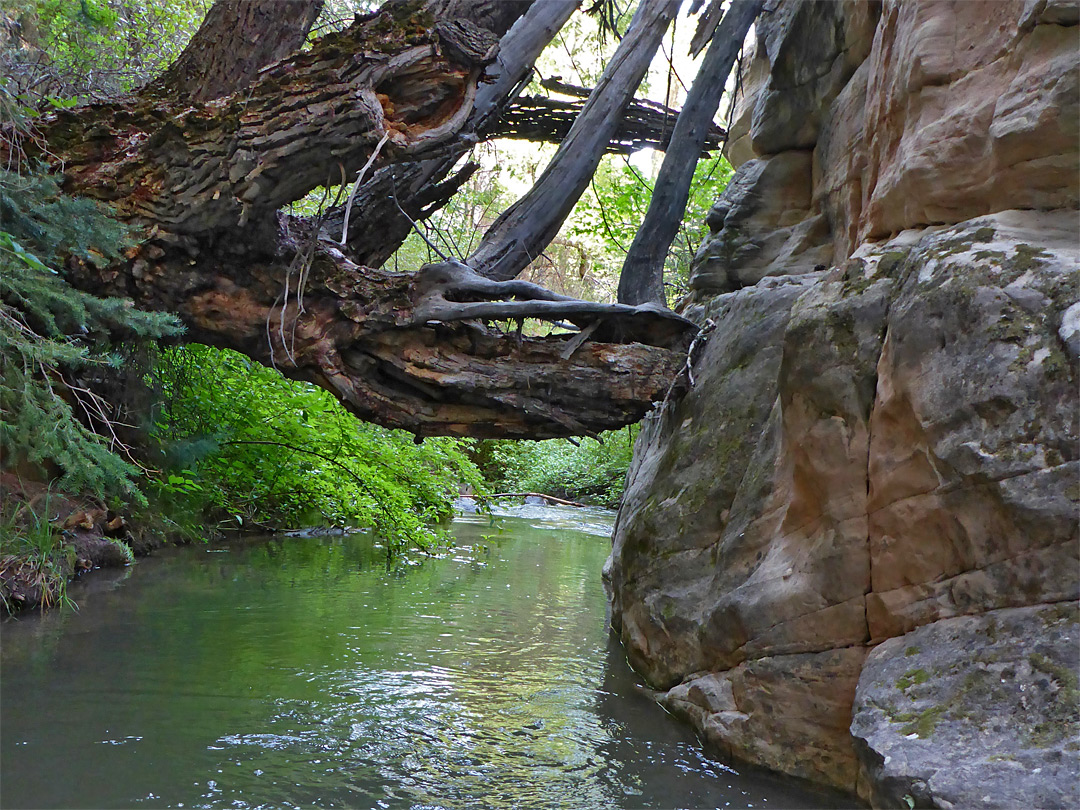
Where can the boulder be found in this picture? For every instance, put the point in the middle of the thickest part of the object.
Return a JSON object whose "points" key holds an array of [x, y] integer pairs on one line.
{"points": [[973, 464], [802, 56], [977, 711]]}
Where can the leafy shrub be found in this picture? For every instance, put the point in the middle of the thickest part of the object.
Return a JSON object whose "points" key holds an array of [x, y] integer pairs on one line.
{"points": [[275, 452], [592, 471]]}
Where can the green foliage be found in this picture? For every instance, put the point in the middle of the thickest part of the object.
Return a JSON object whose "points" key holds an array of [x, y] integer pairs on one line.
{"points": [[49, 332], [269, 451], [56, 51], [591, 471], [607, 218], [32, 554]]}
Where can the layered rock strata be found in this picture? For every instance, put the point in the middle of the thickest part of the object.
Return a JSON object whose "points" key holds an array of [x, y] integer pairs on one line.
{"points": [[877, 458]]}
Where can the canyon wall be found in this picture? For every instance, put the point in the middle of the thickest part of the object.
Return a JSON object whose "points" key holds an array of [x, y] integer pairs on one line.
{"points": [[848, 550]]}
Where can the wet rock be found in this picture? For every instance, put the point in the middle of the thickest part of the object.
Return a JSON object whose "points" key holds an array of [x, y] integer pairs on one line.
{"points": [[755, 711], [979, 711], [679, 514], [743, 534], [864, 451], [465, 506]]}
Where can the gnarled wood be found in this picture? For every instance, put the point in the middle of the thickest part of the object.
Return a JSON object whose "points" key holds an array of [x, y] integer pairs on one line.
{"points": [[421, 188], [421, 352], [197, 168]]}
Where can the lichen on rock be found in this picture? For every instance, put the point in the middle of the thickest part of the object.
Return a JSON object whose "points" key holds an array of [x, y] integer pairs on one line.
{"points": [[880, 453]]}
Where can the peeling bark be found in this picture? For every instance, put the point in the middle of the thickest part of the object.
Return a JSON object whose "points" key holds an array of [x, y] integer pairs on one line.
{"points": [[425, 352], [198, 168], [422, 352], [423, 187]]}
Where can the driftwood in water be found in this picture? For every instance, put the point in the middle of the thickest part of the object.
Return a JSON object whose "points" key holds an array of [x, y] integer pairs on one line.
{"points": [[550, 498]]}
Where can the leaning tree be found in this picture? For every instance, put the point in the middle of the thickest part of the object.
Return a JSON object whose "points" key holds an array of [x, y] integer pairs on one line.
{"points": [[203, 160]]}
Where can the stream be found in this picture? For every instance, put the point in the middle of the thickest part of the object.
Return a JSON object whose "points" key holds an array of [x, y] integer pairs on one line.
{"points": [[306, 672]]}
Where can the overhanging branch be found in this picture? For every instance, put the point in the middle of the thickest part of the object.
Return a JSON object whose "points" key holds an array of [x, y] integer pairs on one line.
{"points": [[644, 124]]}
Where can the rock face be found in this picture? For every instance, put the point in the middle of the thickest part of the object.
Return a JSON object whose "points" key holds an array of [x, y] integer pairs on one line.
{"points": [[957, 713], [878, 451]]}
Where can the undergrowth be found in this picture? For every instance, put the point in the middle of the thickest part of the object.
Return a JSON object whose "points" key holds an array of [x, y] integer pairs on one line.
{"points": [[584, 470], [261, 451]]}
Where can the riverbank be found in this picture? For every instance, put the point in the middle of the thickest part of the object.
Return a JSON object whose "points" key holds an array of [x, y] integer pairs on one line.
{"points": [[49, 539]]}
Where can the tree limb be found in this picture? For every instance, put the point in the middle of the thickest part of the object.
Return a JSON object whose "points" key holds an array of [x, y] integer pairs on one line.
{"points": [[644, 124], [642, 277], [522, 232]]}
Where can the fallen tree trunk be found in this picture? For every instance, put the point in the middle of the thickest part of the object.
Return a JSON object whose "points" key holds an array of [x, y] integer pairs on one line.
{"points": [[394, 195], [645, 124], [441, 352], [398, 77]]}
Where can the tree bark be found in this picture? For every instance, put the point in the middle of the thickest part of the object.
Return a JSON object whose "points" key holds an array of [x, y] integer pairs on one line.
{"points": [[642, 277], [396, 194], [237, 38], [196, 169], [522, 232], [439, 352]]}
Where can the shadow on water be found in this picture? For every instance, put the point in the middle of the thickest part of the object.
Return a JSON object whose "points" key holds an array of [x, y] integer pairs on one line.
{"points": [[295, 672]]}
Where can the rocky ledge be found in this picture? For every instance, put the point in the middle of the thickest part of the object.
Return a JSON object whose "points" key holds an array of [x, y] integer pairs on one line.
{"points": [[865, 507]]}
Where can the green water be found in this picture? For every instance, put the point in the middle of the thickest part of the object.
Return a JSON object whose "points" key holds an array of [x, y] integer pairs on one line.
{"points": [[303, 672]]}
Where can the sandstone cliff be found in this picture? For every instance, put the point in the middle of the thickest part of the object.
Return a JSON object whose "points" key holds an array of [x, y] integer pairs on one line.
{"points": [[850, 551]]}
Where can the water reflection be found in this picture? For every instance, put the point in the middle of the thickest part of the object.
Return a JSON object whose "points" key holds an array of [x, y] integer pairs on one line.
{"points": [[304, 672]]}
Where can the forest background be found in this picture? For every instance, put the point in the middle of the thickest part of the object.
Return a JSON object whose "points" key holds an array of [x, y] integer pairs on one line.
{"points": [[103, 406]]}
